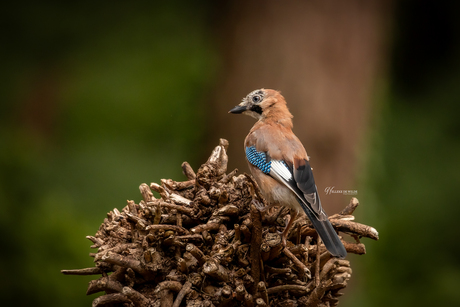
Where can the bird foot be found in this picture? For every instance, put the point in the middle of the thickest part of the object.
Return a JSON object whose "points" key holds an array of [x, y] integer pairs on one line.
{"points": [[283, 240], [260, 206], [284, 234], [286, 230]]}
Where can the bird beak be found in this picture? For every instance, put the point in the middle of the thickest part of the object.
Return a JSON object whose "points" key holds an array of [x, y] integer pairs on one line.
{"points": [[238, 109]]}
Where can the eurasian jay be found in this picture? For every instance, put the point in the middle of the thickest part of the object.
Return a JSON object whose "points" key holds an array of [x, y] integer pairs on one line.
{"points": [[279, 163]]}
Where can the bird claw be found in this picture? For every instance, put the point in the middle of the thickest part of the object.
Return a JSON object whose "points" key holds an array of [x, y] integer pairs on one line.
{"points": [[283, 240], [260, 206], [285, 232]]}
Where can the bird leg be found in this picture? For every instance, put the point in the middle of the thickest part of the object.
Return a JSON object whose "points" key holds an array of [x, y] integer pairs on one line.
{"points": [[285, 233], [293, 214]]}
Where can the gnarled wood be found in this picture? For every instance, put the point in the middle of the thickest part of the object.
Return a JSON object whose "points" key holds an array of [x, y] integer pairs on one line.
{"points": [[208, 245]]}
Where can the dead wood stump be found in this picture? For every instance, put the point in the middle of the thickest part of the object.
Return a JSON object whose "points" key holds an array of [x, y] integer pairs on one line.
{"points": [[203, 243]]}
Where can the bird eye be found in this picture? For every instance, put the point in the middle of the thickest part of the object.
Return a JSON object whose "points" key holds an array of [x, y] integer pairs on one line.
{"points": [[256, 98]]}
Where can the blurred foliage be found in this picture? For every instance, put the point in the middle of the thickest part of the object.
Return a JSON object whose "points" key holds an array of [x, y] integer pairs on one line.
{"points": [[97, 97], [412, 181]]}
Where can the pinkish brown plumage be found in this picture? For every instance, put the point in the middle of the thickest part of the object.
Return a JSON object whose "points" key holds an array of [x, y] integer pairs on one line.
{"points": [[279, 163]]}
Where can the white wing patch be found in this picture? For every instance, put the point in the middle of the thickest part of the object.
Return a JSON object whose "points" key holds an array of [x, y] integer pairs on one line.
{"points": [[281, 172], [281, 169]]}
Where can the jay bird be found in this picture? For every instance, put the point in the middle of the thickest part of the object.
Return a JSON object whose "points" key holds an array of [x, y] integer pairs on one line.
{"points": [[279, 163]]}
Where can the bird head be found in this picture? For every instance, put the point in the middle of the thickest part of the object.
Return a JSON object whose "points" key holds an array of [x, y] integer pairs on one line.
{"points": [[263, 103]]}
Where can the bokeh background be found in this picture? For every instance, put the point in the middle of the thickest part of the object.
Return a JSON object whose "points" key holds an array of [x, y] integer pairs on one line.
{"points": [[99, 97]]}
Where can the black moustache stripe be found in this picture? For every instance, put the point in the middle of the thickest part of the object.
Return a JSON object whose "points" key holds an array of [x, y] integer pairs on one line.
{"points": [[256, 109]]}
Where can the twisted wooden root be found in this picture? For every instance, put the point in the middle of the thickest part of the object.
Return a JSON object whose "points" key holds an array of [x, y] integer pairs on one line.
{"points": [[204, 243]]}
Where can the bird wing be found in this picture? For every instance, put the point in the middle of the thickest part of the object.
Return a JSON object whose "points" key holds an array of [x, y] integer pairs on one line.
{"points": [[303, 177], [297, 176]]}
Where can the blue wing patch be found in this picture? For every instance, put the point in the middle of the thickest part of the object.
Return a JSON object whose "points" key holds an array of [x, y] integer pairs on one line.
{"points": [[258, 159]]}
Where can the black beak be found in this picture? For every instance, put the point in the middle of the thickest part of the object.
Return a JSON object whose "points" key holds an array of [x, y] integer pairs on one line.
{"points": [[238, 109]]}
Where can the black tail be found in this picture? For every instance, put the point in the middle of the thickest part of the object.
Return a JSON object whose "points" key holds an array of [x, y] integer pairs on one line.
{"points": [[328, 235]]}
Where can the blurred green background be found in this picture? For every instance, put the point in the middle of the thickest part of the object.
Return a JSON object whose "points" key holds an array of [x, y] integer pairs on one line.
{"points": [[99, 97]]}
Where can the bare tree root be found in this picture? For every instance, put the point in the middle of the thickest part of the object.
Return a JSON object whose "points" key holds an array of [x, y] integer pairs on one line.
{"points": [[204, 243]]}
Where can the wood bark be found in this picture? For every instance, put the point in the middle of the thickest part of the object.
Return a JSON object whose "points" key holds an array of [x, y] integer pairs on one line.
{"points": [[207, 244]]}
